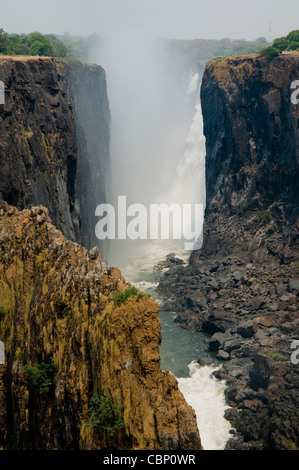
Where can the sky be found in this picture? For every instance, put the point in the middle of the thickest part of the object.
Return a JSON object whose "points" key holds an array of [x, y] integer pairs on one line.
{"points": [[179, 19]]}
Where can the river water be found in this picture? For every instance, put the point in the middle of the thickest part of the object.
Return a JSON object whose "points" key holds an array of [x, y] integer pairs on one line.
{"points": [[153, 172], [180, 349]]}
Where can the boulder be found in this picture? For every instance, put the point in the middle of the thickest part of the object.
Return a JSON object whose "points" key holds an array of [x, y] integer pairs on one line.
{"points": [[217, 340], [232, 343], [245, 329], [293, 286]]}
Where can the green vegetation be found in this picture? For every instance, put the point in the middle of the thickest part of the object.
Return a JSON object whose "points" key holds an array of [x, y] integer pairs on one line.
{"points": [[201, 51], [265, 217], [37, 44], [285, 43], [274, 354], [40, 376], [122, 297], [3, 313], [105, 414]]}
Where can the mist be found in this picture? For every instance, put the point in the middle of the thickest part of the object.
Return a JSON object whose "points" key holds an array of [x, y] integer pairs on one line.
{"points": [[157, 144], [153, 105]]}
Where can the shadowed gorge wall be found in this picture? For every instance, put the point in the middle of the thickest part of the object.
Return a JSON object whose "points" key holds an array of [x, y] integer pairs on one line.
{"points": [[55, 140], [251, 129], [242, 287]]}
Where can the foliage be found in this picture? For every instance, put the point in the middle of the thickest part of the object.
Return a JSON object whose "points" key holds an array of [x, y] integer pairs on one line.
{"points": [[3, 313], [4, 41], [200, 51], [122, 297], [105, 414], [265, 217], [40, 376], [38, 44], [285, 43], [83, 48]]}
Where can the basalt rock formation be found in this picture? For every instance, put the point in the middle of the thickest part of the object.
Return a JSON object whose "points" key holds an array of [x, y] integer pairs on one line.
{"points": [[58, 307], [242, 287], [54, 147]]}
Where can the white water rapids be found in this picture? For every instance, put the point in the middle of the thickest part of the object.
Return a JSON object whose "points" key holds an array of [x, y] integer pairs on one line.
{"points": [[206, 396], [181, 349]]}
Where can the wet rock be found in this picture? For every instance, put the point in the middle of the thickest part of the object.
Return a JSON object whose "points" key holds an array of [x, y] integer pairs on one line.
{"points": [[223, 355]]}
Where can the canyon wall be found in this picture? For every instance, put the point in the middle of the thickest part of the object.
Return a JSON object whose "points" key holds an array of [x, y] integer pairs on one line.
{"points": [[59, 308], [242, 286], [71, 332], [54, 146]]}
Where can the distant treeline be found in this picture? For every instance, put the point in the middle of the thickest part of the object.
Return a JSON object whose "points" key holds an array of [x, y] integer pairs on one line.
{"points": [[201, 51], [198, 51], [285, 43], [37, 44]]}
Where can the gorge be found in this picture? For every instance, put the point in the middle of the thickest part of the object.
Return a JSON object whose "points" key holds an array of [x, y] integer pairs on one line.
{"points": [[62, 304]]}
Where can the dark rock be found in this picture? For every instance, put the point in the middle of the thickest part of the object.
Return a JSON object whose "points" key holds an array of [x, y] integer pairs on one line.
{"points": [[232, 343], [281, 289], [261, 371], [217, 322], [217, 340], [238, 393], [223, 355], [239, 276], [205, 361], [293, 286], [245, 329], [195, 302]]}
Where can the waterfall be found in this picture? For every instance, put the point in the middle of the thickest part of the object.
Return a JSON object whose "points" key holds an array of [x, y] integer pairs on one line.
{"points": [[159, 156]]}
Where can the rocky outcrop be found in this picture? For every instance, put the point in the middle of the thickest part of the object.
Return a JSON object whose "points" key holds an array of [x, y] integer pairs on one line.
{"points": [[59, 307], [54, 146], [242, 286]]}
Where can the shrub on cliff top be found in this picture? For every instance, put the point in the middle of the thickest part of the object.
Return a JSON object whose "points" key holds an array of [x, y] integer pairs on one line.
{"points": [[285, 43]]}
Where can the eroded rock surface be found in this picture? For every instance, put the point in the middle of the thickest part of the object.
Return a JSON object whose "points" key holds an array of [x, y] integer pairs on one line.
{"points": [[58, 307], [242, 286]]}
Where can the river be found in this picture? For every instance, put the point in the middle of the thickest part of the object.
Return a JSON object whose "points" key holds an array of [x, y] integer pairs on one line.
{"points": [[180, 349]]}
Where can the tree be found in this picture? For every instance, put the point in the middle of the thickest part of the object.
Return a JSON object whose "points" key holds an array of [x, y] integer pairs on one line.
{"points": [[285, 43], [39, 45], [4, 42]]}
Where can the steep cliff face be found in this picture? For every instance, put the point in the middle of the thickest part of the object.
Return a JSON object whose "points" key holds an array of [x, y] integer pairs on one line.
{"points": [[252, 137], [58, 307], [87, 90], [54, 146], [242, 287]]}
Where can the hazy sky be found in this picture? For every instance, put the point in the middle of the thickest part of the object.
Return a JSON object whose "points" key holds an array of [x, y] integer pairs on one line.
{"points": [[180, 19]]}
